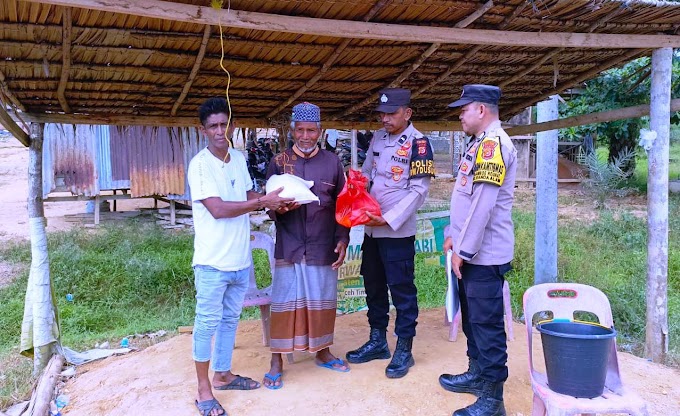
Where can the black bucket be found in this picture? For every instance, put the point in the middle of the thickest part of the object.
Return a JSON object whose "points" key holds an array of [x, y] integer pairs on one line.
{"points": [[576, 357]]}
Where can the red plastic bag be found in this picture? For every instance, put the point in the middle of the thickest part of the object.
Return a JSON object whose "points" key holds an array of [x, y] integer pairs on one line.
{"points": [[354, 200]]}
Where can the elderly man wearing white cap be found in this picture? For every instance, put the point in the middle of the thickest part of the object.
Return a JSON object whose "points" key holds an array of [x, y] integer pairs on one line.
{"points": [[482, 240], [310, 247]]}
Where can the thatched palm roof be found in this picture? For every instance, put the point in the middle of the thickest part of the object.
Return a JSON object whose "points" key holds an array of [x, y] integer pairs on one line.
{"points": [[110, 59]]}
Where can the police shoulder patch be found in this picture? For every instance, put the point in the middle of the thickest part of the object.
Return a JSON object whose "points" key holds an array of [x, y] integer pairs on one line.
{"points": [[422, 158], [489, 164]]}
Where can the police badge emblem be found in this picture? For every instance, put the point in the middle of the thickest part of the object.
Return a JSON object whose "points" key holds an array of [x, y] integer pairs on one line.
{"points": [[403, 150], [396, 173], [488, 147], [383, 98]]}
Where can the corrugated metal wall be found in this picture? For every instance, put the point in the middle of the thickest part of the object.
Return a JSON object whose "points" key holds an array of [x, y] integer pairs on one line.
{"points": [[69, 159], [149, 161]]}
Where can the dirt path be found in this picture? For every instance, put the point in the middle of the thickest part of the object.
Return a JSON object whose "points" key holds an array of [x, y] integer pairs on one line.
{"points": [[161, 380]]}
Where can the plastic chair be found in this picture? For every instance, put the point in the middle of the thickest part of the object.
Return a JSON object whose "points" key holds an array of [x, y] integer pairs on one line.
{"points": [[563, 299], [507, 306], [261, 297]]}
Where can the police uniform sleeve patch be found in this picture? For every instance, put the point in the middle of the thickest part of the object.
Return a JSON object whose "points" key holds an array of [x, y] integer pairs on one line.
{"points": [[422, 159], [489, 165]]}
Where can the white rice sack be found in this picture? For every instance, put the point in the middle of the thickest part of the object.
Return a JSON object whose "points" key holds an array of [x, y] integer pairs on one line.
{"points": [[293, 187]]}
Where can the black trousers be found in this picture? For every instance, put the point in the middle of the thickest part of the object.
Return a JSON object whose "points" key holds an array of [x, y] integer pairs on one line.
{"points": [[389, 263], [481, 306]]}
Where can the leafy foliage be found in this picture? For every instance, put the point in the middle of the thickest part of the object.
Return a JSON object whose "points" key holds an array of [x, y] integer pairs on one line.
{"points": [[617, 88], [605, 178]]}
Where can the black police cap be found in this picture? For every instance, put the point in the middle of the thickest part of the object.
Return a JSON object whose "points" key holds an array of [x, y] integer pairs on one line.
{"points": [[480, 93], [390, 99]]}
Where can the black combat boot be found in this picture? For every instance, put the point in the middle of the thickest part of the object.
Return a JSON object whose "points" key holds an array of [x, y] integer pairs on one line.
{"points": [[402, 359], [490, 403], [374, 349], [468, 382]]}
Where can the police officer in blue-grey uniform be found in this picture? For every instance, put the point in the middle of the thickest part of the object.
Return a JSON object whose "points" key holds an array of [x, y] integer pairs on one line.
{"points": [[399, 164], [482, 239]]}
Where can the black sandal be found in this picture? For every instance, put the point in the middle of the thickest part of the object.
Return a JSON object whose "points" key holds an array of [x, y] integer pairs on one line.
{"points": [[239, 383], [207, 406]]}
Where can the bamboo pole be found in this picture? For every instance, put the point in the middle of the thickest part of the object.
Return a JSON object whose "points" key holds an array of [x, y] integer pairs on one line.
{"points": [[656, 331]]}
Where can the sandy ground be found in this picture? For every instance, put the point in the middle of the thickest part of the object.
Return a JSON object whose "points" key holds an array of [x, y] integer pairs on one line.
{"points": [[160, 379]]}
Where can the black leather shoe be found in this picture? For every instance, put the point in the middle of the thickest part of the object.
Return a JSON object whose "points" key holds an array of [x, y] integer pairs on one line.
{"points": [[402, 359], [490, 403], [468, 382], [375, 348]]}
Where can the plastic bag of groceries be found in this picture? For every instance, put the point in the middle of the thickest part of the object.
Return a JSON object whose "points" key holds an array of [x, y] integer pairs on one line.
{"points": [[354, 200]]}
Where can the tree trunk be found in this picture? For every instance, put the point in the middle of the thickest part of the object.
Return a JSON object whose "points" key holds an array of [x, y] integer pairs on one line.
{"points": [[39, 329]]}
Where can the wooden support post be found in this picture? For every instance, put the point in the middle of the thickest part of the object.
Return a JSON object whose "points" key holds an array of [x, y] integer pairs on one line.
{"points": [[35, 196], [355, 154], [173, 213], [452, 154], [656, 336], [545, 242], [39, 328], [44, 391], [114, 201], [97, 201]]}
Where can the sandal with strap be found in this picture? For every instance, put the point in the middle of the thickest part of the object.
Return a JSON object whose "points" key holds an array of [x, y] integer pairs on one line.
{"points": [[207, 406], [239, 383]]}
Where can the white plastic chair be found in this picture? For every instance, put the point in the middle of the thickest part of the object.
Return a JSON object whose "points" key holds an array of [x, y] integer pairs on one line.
{"points": [[261, 297], [563, 299], [507, 306]]}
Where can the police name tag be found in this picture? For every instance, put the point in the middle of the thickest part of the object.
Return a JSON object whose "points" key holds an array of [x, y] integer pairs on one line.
{"points": [[489, 165]]}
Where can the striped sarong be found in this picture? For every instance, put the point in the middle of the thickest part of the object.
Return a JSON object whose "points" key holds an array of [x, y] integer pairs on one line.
{"points": [[304, 301]]}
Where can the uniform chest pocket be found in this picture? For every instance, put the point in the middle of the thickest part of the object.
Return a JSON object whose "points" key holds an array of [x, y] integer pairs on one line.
{"points": [[396, 175], [464, 184]]}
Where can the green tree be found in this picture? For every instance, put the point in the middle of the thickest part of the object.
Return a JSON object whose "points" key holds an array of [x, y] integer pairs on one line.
{"points": [[617, 88]]}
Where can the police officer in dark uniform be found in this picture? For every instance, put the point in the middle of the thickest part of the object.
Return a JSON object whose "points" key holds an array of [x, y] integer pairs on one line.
{"points": [[482, 239], [399, 164]]}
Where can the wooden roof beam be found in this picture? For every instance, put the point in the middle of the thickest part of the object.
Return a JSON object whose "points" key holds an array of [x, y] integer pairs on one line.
{"points": [[601, 117], [65, 58], [569, 83], [418, 62], [377, 7], [556, 51], [544, 59], [7, 92], [129, 120], [467, 55], [206, 15], [194, 70], [12, 126]]}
